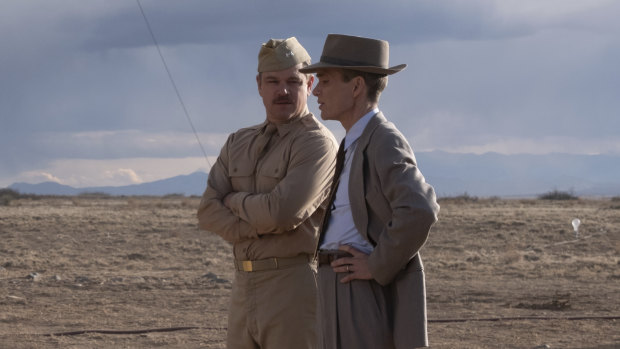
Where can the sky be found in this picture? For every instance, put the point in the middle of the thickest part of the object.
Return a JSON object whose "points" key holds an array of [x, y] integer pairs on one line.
{"points": [[85, 99]]}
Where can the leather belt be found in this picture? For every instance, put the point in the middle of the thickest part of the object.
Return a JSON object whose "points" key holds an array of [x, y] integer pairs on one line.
{"points": [[271, 263], [328, 256]]}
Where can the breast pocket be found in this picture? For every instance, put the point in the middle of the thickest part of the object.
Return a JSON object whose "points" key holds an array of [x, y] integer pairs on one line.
{"points": [[241, 172], [270, 173]]}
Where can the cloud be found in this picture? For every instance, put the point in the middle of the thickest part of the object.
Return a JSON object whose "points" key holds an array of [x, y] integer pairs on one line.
{"points": [[555, 83], [83, 82], [127, 143], [81, 173], [537, 146], [44, 150], [549, 10], [122, 175], [39, 176], [219, 22]]}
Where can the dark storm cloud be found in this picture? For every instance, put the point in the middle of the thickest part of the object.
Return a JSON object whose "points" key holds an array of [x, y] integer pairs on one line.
{"points": [[217, 22], [479, 71]]}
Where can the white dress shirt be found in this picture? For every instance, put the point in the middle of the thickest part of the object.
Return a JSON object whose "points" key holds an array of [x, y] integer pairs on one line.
{"points": [[341, 228]]}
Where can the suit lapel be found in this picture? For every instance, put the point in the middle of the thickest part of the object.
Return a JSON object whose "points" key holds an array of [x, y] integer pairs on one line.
{"points": [[357, 193]]}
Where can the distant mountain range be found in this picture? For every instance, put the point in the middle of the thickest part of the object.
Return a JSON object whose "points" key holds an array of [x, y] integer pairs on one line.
{"points": [[188, 185], [451, 174], [521, 175]]}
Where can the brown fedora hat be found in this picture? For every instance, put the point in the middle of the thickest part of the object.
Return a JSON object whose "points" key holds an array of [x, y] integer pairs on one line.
{"points": [[355, 53]]}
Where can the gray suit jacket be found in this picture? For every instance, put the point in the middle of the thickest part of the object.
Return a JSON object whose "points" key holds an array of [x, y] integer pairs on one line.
{"points": [[394, 208]]}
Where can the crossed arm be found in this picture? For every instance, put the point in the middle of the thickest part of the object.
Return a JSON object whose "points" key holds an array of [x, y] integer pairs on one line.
{"points": [[213, 215], [237, 216], [298, 194]]}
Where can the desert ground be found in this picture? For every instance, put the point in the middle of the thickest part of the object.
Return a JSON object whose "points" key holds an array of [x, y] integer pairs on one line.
{"points": [[501, 273]]}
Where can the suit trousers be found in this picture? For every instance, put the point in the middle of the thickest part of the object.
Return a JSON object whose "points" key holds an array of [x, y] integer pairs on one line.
{"points": [[352, 315], [274, 308]]}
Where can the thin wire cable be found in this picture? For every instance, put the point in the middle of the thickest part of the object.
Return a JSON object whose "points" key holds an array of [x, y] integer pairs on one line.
{"points": [[174, 85]]}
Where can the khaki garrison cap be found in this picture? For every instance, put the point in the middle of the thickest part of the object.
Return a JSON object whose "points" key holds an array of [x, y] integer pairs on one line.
{"points": [[280, 54]]}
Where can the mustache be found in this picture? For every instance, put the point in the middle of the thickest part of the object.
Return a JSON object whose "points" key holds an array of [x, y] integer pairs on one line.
{"points": [[283, 99]]}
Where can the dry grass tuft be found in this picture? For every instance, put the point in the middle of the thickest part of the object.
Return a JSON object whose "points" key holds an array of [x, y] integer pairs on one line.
{"points": [[559, 302], [559, 195], [7, 195]]}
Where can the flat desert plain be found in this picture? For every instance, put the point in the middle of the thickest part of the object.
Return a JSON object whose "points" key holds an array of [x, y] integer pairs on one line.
{"points": [[135, 272]]}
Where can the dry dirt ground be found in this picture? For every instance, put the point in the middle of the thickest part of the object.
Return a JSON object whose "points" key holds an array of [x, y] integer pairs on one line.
{"points": [[87, 264]]}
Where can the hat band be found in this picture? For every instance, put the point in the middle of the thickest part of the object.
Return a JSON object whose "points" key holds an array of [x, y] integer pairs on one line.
{"points": [[347, 62]]}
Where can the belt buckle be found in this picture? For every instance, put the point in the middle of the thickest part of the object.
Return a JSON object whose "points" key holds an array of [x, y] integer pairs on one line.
{"points": [[246, 265]]}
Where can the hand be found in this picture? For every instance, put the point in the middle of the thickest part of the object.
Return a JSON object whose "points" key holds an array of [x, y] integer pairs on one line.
{"points": [[226, 199], [356, 267]]}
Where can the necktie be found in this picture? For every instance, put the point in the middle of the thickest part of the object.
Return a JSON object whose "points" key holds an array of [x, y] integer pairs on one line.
{"points": [[340, 156], [264, 138]]}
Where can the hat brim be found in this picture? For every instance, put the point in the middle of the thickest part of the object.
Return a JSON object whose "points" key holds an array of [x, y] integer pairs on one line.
{"points": [[365, 68]]}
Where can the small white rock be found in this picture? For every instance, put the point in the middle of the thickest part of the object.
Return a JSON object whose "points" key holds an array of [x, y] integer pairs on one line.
{"points": [[34, 276]]}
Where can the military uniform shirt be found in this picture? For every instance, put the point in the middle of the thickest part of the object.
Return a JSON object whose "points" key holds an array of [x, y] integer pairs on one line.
{"points": [[278, 195]]}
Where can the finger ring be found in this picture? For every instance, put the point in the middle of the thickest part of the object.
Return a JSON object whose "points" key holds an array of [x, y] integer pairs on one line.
{"points": [[347, 268]]}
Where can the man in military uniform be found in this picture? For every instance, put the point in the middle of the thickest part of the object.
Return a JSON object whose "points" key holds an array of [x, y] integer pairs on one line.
{"points": [[265, 195]]}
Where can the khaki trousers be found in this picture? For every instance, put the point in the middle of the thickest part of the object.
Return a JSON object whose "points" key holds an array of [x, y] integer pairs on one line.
{"points": [[355, 315], [274, 309]]}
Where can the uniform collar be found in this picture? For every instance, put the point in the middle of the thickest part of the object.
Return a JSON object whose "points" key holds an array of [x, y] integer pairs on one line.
{"points": [[284, 129]]}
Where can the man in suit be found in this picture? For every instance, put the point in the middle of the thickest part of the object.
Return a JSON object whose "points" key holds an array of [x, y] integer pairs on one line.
{"points": [[371, 278], [266, 195]]}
